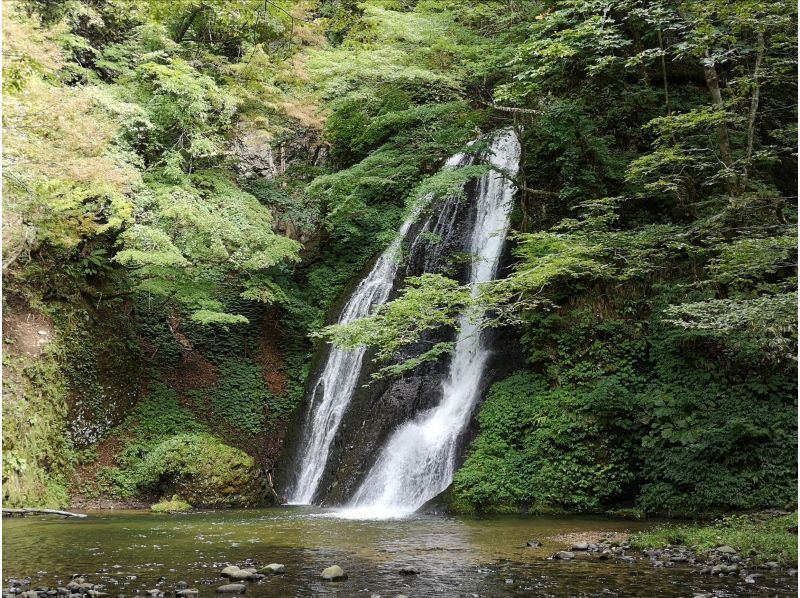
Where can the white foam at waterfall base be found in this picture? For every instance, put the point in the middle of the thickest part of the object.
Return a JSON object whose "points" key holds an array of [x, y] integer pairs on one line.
{"points": [[418, 460], [336, 384]]}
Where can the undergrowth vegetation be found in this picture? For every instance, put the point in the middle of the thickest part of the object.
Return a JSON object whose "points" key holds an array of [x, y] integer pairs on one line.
{"points": [[168, 450], [765, 537], [191, 189]]}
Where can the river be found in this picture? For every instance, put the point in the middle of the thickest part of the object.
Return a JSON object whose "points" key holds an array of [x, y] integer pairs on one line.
{"points": [[455, 556]]}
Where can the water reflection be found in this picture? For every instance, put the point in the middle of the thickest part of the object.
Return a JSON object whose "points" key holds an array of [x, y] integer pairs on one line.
{"points": [[130, 552]]}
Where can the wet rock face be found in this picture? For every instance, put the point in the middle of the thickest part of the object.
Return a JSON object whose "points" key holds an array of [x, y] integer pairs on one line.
{"points": [[435, 244], [374, 414]]}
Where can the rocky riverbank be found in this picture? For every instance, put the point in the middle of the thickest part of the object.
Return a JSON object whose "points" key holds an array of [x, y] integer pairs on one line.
{"points": [[752, 547]]}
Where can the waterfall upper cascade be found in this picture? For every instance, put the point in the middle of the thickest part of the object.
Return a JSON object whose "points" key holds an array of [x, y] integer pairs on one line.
{"points": [[418, 461], [336, 385]]}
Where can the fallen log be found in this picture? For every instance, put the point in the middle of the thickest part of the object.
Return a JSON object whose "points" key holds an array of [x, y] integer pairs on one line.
{"points": [[22, 512]]}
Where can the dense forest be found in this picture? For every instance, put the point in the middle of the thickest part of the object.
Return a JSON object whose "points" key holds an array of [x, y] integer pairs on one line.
{"points": [[191, 187]]}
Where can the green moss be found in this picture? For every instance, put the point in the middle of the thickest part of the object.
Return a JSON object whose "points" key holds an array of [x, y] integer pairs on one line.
{"points": [[766, 539], [167, 451], [37, 450], [198, 467], [172, 505]]}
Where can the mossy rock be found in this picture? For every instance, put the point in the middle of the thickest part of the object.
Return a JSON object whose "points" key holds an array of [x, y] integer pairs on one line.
{"points": [[202, 470], [173, 505]]}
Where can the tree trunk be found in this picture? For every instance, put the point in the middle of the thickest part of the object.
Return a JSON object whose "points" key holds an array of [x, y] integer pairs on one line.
{"points": [[664, 72], [21, 512], [183, 28], [754, 99], [712, 81]]}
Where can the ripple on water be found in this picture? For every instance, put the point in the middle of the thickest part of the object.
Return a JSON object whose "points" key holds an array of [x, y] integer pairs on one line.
{"points": [[130, 552]]}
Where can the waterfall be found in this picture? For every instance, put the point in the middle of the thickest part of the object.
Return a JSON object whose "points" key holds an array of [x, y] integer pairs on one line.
{"points": [[418, 460], [337, 383]]}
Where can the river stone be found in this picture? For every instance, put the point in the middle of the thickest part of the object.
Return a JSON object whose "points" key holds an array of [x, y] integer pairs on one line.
{"points": [[409, 571], [188, 593], [232, 588], [753, 577], [29, 594], [96, 593], [227, 571], [580, 546], [534, 543], [770, 565], [564, 555], [181, 585], [155, 592], [240, 575], [74, 586], [333, 573], [726, 550], [273, 569]]}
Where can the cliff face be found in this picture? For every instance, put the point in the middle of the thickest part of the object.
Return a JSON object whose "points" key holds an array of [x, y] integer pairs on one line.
{"points": [[84, 366], [72, 372], [437, 243]]}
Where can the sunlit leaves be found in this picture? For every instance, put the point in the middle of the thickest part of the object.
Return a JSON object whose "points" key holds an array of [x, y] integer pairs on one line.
{"points": [[427, 302], [769, 322]]}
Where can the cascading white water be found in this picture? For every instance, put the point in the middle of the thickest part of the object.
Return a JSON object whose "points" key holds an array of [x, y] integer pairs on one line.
{"points": [[418, 461], [336, 385]]}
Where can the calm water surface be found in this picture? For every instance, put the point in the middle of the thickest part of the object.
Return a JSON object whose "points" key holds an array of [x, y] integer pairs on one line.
{"points": [[455, 556]]}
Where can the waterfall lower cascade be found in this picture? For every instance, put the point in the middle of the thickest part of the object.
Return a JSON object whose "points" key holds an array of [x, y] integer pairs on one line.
{"points": [[336, 385], [418, 460]]}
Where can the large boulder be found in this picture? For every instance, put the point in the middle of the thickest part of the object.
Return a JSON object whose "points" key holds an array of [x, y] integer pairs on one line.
{"points": [[203, 471]]}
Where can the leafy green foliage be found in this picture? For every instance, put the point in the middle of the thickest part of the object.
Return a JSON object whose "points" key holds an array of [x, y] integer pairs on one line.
{"points": [[241, 396], [653, 282], [37, 451], [427, 302], [159, 416], [546, 449]]}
